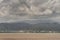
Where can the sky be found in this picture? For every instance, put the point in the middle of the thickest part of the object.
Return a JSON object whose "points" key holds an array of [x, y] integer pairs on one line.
{"points": [[31, 11]]}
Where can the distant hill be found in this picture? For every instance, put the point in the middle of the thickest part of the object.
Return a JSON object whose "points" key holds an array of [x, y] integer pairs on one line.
{"points": [[17, 27]]}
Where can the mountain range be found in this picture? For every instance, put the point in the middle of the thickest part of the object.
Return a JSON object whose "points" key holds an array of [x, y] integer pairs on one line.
{"points": [[26, 27]]}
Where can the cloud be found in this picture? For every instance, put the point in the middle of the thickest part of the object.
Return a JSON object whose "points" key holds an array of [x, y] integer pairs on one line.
{"points": [[20, 10]]}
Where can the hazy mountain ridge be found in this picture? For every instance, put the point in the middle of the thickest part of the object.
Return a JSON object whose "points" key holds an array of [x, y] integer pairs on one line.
{"points": [[17, 27]]}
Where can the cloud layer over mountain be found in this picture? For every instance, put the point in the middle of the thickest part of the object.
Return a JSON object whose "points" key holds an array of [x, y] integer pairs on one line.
{"points": [[22, 10]]}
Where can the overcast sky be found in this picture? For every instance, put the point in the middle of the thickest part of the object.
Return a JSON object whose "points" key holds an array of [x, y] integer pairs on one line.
{"points": [[29, 10]]}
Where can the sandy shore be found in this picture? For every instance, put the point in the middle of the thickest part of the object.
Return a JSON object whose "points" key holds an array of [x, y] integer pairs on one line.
{"points": [[29, 36]]}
